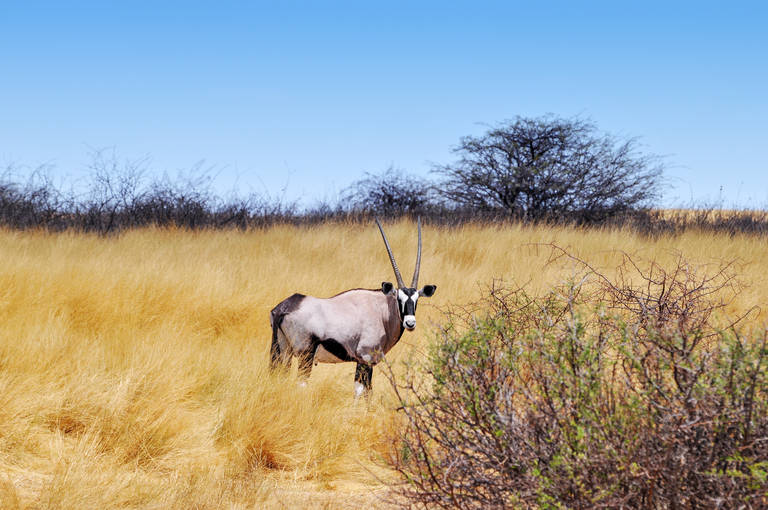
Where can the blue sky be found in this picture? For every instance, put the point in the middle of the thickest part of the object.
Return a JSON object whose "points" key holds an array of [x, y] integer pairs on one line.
{"points": [[302, 98]]}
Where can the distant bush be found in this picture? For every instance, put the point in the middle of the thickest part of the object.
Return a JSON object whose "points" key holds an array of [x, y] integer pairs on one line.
{"points": [[623, 394], [705, 219], [122, 195], [391, 193], [32, 204]]}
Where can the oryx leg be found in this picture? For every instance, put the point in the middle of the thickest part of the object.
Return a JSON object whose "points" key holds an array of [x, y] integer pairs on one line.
{"points": [[279, 355], [363, 375], [306, 359], [275, 356]]}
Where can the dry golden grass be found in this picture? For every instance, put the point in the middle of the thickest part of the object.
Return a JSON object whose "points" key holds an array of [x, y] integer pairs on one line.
{"points": [[133, 369]]}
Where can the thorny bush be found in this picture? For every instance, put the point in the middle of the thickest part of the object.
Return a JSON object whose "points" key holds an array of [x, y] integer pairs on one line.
{"points": [[118, 196], [618, 393]]}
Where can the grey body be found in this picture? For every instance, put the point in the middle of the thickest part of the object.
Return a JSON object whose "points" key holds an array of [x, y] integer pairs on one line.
{"points": [[359, 325]]}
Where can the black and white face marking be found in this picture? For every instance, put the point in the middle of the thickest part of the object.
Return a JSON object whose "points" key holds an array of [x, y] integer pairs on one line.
{"points": [[407, 299]]}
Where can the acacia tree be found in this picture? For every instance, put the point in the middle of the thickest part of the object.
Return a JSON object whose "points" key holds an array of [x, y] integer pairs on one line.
{"points": [[550, 167]]}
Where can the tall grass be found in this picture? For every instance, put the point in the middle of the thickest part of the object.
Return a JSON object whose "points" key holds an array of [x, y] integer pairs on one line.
{"points": [[133, 368]]}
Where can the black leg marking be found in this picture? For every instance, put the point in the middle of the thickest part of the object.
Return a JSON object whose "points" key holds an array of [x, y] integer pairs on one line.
{"points": [[363, 375]]}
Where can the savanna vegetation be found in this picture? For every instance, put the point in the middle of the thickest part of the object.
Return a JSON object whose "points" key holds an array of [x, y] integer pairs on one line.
{"points": [[134, 366], [546, 170], [625, 392], [582, 349]]}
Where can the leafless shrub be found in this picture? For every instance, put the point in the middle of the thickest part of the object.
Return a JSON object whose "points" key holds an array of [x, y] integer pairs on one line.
{"points": [[624, 393], [126, 194], [33, 203], [122, 195], [390, 194]]}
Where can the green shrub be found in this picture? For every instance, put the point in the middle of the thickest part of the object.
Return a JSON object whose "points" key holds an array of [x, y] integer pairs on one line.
{"points": [[601, 393]]}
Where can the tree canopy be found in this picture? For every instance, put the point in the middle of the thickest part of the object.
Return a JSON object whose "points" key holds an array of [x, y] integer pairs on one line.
{"points": [[550, 166]]}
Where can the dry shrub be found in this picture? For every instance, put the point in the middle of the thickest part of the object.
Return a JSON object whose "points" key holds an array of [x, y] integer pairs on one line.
{"points": [[622, 393]]}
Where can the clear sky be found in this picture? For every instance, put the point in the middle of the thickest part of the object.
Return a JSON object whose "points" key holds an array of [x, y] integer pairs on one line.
{"points": [[306, 96]]}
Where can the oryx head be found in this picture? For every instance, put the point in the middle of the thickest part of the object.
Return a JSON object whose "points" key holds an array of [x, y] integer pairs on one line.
{"points": [[407, 297]]}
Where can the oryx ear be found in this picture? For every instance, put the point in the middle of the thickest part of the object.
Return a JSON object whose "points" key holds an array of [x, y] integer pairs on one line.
{"points": [[427, 290], [386, 287]]}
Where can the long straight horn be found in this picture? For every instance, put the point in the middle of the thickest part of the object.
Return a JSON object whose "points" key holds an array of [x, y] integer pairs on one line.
{"points": [[400, 283], [415, 282]]}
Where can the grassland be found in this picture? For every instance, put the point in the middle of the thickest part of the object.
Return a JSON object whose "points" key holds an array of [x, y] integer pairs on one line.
{"points": [[133, 368]]}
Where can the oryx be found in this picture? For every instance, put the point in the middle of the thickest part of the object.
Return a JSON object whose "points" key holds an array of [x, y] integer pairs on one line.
{"points": [[359, 325]]}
